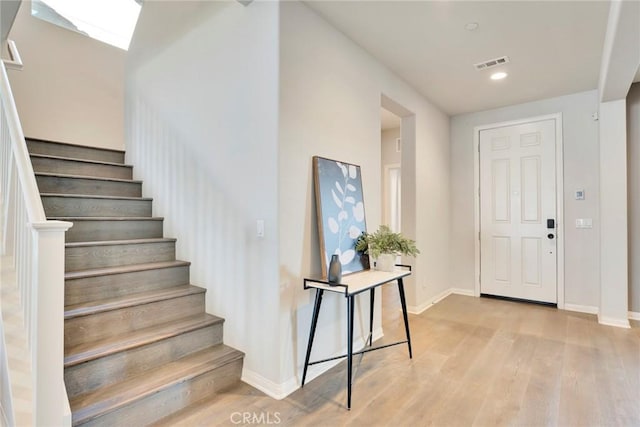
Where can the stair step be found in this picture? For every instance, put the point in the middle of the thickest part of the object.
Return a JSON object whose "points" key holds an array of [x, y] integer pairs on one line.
{"points": [[91, 229], [68, 166], [76, 205], [99, 364], [150, 396], [111, 304], [87, 185], [113, 253], [138, 343], [39, 146], [86, 352], [220, 406], [111, 282], [97, 320], [203, 412]]}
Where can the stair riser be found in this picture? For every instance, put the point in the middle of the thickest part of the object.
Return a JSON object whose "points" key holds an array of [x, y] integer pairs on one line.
{"points": [[75, 152], [64, 185], [86, 257], [156, 406], [78, 207], [88, 289], [107, 370], [71, 167], [110, 323], [100, 230]]}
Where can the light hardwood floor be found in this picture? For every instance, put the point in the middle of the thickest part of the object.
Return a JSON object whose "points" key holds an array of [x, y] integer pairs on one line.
{"points": [[476, 361], [17, 349]]}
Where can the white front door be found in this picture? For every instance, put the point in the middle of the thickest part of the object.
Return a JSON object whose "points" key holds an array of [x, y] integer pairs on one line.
{"points": [[517, 207]]}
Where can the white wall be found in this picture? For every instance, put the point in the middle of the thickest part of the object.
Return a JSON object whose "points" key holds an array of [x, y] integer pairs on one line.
{"points": [[633, 188], [330, 100], [614, 271], [202, 133], [581, 169], [227, 137], [71, 88], [389, 154]]}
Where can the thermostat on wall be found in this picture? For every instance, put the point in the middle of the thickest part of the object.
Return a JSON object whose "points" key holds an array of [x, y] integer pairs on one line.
{"points": [[579, 194]]}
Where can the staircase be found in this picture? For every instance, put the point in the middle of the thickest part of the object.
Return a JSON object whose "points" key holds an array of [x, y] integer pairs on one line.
{"points": [[138, 343]]}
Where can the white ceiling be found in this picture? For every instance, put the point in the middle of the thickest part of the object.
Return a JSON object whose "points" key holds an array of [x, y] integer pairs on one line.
{"points": [[554, 47]]}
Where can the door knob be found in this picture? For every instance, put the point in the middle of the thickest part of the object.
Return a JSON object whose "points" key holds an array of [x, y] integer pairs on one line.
{"points": [[550, 236]]}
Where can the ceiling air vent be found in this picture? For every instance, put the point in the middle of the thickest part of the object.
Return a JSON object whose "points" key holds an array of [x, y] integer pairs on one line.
{"points": [[491, 63]]}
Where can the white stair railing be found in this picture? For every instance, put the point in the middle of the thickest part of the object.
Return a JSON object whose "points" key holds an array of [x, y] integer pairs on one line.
{"points": [[33, 248]]}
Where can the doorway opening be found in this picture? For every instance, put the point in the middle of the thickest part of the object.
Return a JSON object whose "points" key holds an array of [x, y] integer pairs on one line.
{"points": [[391, 177], [391, 169]]}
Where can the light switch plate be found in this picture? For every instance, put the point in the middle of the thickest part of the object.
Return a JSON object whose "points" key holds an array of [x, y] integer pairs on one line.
{"points": [[584, 223]]}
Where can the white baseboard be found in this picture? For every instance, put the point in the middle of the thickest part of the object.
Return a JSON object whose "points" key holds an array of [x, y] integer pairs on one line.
{"points": [[419, 309], [378, 333], [282, 390], [612, 321], [270, 388], [465, 292], [589, 309]]}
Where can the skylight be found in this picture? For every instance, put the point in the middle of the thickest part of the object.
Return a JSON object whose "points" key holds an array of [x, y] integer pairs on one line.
{"points": [[110, 21]]}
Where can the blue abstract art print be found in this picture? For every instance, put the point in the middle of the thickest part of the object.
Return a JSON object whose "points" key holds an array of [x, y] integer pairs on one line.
{"points": [[340, 209]]}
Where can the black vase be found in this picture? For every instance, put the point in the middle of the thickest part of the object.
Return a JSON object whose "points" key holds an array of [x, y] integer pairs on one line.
{"points": [[335, 270]]}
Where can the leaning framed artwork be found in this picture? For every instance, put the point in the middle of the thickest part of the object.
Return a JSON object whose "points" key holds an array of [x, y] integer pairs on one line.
{"points": [[340, 212]]}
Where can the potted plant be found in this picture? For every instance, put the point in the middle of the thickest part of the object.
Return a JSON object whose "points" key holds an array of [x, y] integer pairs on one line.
{"points": [[384, 246]]}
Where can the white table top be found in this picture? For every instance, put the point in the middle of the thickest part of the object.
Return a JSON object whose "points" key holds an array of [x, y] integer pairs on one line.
{"points": [[358, 282]]}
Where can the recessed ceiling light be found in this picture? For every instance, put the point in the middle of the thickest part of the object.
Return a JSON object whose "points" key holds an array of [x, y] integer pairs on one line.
{"points": [[471, 26], [498, 76]]}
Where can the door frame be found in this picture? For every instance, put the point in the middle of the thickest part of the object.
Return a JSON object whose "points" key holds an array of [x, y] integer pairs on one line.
{"points": [[386, 190], [559, 197]]}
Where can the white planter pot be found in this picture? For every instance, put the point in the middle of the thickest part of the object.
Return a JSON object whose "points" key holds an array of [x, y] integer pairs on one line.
{"points": [[386, 262]]}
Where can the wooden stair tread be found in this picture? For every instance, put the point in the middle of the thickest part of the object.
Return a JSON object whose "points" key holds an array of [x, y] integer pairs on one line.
{"points": [[115, 150], [109, 304], [199, 413], [80, 160], [89, 351], [120, 242], [95, 196], [94, 404], [96, 178], [81, 274]]}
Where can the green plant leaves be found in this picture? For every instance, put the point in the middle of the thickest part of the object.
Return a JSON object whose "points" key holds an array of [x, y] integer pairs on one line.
{"points": [[385, 241]]}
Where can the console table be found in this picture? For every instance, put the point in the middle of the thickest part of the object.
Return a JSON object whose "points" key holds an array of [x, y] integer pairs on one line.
{"points": [[354, 284]]}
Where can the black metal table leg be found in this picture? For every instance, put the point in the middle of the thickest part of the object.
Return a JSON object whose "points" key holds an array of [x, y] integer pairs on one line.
{"points": [[404, 314], [372, 300], [350, 304], [312, 333]]}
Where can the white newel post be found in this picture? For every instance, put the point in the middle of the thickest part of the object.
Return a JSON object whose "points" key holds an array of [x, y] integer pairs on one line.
{"points": [[47, 342]]}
